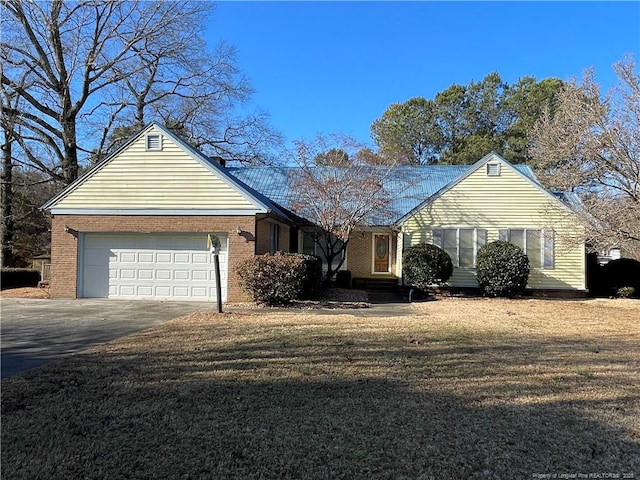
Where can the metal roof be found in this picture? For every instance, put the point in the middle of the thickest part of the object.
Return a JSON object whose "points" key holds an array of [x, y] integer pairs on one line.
{"points": [[408, 186]]}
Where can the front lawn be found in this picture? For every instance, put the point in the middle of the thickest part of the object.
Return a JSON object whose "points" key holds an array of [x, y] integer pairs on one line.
{"points": [[463, 388]]}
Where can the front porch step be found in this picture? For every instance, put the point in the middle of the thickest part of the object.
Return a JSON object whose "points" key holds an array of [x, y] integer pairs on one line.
{"points": [[383, 284]]}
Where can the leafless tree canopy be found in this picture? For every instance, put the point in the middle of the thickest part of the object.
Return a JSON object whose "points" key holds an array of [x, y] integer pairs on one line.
{"points": [[86, 67], [591, 146], [79, 76], [339, 198]]}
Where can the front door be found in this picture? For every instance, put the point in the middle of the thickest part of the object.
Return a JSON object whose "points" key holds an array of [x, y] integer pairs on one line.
{"points": [[381, 253]]}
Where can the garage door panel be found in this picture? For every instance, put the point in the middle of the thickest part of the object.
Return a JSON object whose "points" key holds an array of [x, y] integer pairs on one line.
{"points": [[145, 291], [151, 266], [146, 257], [124, 257], [200, 258], [164, 257], [127, 274], [201, 275], [145, 274], [181, 275], [163, 274]]}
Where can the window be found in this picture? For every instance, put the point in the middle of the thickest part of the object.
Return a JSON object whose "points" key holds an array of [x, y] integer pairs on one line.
{"points": [[274, 238], [462, 244], [493, 169], [314, 243], [536, 243], [153, 141], [308, 243]]}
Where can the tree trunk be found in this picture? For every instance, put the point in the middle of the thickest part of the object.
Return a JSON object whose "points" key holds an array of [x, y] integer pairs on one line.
{"points": [[8, 224], [70, 160]]}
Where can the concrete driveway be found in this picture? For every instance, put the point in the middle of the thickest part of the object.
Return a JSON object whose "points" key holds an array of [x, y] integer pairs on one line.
{"points": [[34, 332]]}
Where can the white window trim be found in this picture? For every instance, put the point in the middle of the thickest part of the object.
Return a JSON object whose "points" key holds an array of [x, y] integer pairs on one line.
{"points": [[373, 253], [545, 234], [146, 142], [456, 261]]}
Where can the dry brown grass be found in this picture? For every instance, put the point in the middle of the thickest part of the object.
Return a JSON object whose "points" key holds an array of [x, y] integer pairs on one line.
{"points": [[25, 292], [464, 388]]}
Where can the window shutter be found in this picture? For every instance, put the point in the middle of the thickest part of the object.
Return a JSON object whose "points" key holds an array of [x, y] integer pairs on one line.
{"points": [[503, 235], [548, 261], [437, 237]]}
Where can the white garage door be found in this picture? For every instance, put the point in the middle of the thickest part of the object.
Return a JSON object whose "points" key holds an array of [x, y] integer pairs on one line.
{"points": [[151, 266]]}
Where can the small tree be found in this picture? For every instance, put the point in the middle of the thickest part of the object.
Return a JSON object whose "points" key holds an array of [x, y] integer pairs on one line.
{"points": [[338, 198], [424, 265], [503, 269]]}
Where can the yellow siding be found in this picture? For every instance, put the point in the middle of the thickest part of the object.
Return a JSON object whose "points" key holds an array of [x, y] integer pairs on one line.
{"points": [[502, 202], [166, 179]]}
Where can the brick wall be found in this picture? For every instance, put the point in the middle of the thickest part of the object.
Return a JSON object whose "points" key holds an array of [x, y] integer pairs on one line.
{"points": [[359, 256], [262, 237], [64, 245]]}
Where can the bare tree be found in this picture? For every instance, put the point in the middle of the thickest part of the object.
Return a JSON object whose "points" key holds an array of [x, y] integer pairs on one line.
{"points": [[93, 65], [340, 198], [591, 146], [194, 91], [79, 76], [7, 122]]}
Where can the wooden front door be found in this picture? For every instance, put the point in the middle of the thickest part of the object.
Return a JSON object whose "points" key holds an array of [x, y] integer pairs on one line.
{"points": [[381, 253]]}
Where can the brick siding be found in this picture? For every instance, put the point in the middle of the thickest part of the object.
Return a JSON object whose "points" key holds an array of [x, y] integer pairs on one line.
{"points": [[64, 245], [262, 237], [359, 256]]}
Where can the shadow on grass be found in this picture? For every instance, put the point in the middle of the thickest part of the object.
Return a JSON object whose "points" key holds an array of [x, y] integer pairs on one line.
{"points": [[322, 405]]}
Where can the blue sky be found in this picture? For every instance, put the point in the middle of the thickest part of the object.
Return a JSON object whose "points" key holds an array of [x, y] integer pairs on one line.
{"points": [[329, 67]]}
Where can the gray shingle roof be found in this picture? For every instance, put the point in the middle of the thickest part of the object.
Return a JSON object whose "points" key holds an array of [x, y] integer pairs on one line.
{"points": [[407, 186]]}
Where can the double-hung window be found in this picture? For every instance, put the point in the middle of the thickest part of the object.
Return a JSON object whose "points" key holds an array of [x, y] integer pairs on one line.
{"points": [[462, 244], [538, 244]]}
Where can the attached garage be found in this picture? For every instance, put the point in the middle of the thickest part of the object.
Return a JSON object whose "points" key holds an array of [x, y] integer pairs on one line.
{"points": [[150, 266], [136, 225]]}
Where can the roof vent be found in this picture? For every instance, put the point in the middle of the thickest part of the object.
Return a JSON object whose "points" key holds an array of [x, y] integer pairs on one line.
{"points": [[153, 141], [493, 169]]}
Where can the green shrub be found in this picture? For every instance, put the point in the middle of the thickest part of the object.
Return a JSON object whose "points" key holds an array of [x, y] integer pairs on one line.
{"points": [[343, 279], [425, 264], [279, 278], [19, 277], [625, 292], [502, 268]]}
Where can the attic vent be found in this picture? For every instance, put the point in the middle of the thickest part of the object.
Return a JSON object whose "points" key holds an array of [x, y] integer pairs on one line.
{"points": [[154, 141], [493, 169]]}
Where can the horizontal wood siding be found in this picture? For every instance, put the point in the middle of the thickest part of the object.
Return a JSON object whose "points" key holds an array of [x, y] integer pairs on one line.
{"points": [[169, 178], [502, 202]]}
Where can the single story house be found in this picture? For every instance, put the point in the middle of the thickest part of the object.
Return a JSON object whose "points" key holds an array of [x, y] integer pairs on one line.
{"points": [[138, 225]]}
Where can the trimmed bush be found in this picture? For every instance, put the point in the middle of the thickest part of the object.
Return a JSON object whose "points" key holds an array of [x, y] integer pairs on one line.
{"points": [[425, 264], [343, 279], [503, 269], [19, 277], [279, 278]]}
